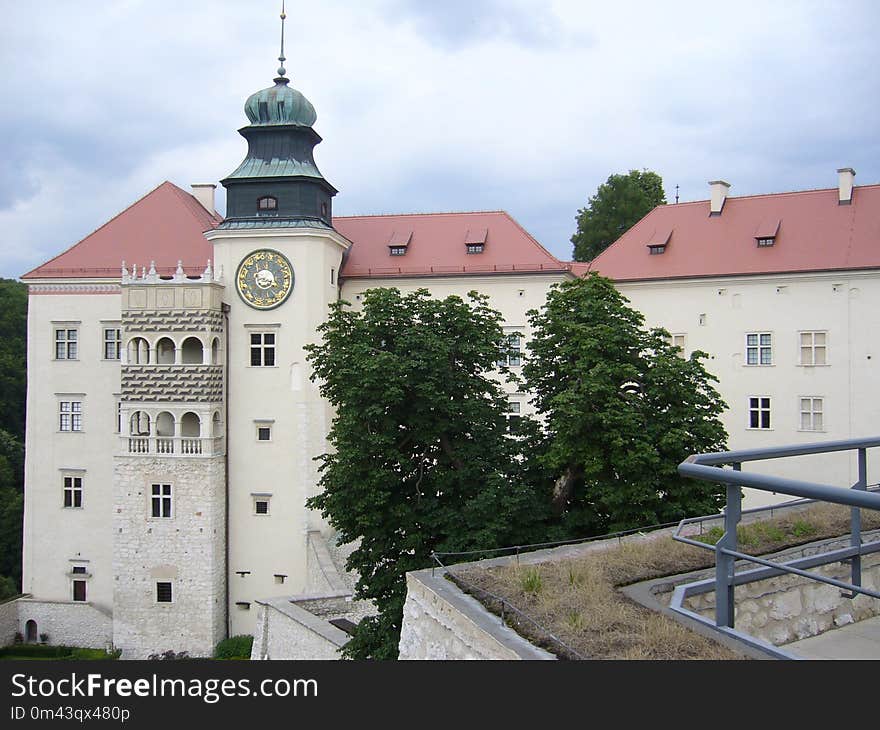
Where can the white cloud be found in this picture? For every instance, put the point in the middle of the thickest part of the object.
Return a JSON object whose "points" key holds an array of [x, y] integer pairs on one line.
{"points": [[522, 105]]}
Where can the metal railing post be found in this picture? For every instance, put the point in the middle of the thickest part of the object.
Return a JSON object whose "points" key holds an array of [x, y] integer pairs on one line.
{"points": [[855, 526], [724, 564]]}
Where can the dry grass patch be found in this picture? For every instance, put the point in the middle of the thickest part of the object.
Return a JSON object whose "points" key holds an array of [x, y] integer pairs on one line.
{"points": [[579, 602]]}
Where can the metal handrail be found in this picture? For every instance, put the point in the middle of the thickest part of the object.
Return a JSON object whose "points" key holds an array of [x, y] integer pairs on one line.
{"points": [[706, 467]]}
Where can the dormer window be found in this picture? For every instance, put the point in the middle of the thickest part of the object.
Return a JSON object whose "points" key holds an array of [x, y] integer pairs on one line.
{"points": [[765, 235], [658, 241], [399, 242], [267, 204], [475, 240]]}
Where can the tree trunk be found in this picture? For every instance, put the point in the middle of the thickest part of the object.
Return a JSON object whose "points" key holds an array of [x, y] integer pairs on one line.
{"points": [[563, 489]]}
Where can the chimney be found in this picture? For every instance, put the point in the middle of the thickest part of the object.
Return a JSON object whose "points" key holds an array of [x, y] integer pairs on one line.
{"points": [[845, 180], [204, 193], [719, 190]]}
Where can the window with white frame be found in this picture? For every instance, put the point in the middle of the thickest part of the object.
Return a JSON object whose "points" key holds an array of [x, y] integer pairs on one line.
{"points": [[759, 412], [112, 343], [511, 355], [814, 348], [262, 349], [513, 415], [812, 413], [73, 491], [70, 415], [263, 429], [759, 348], [160, 500], [679, 340], [66, 341]]}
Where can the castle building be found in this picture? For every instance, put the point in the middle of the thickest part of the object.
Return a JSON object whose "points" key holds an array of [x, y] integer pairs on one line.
{"points": [[171, 421]]}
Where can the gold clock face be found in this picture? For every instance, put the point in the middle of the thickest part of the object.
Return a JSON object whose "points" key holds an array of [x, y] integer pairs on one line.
{"points": [[264, 279]]}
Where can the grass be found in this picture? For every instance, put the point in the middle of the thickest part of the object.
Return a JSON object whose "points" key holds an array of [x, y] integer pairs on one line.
{"points": [[55, 653], [579, 602]]}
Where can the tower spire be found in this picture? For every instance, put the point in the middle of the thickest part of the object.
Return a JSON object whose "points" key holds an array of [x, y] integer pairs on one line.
{"points": [[281, 58]]}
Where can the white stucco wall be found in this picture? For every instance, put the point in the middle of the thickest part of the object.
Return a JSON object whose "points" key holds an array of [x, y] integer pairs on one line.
{"points": [[56, 537], [846, 305]]}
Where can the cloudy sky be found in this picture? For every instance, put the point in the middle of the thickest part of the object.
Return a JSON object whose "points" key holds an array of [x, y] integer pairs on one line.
{"points": [[430, 105]]}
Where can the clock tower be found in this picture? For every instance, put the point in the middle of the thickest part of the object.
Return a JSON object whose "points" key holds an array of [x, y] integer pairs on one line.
{"points": [[283, 256]]}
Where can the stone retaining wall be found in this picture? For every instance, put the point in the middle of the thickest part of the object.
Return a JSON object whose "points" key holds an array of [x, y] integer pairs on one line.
{"points": [[68, 623], [789, 607], [9, 621], [286, 631]]}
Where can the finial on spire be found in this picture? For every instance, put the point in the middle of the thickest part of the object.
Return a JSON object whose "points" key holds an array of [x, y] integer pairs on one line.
{"points": [[281, 58]]}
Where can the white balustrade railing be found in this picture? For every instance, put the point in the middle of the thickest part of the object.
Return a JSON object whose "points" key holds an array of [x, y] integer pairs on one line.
{"points": [[173, 446]]}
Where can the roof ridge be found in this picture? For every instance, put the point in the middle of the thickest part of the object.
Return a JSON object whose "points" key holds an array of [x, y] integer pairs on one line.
{"points": [[195, 206], [102, 226], [531, 237], [767, 195], [435, 213]]}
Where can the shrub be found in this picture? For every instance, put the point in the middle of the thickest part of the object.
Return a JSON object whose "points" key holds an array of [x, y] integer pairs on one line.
{"points": [[44, 638], [235, 647]]}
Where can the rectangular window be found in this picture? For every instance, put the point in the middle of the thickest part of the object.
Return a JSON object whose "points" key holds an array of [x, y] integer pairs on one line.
{"points": [[70, 415], [511, 355], [163, 593], [759, 412], [112, 342], [261, 507], [475, 248], [814, 348], [759, 348], [262, 349], [73, 491], [765, 242], [514, 414], [78, 569], [65, 344], [397, 250], [264, 433], [160, 500], [679, 341], [812, 414], [79, 590]]}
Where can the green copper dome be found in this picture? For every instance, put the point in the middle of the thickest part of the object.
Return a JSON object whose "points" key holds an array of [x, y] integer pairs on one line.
{"points": [[280, 104]]}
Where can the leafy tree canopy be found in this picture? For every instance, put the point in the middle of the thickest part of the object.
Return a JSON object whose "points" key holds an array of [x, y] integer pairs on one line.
{"points": [[421, 460], [619, 203], [621, 408]]}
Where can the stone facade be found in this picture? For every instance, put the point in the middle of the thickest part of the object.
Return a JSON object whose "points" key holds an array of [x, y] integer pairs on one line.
{"points": [[441, 622], [9, 625], [788, 608], [67, 623], [286, 631], [187, 550]]}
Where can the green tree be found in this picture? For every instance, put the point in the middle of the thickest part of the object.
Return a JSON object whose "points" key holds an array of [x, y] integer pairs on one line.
{"points": [[13, 378], [619, 203], [420, 457], [620, 410]]}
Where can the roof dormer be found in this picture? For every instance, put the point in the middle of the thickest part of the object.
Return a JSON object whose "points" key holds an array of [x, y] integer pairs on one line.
{"points": [[475, 240], [399, 242], [658, 241], [765, 235]]}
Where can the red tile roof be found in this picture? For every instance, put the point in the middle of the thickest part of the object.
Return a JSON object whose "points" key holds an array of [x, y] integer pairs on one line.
{"points": [[166, 225], [813, 233], [437, 246]]}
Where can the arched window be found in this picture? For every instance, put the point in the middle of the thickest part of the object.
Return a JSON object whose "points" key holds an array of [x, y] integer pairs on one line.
{"points": [[138, 351], [165, 425], [190, 425], [216, 425], [30, 630], [140, 424], [267, 204], [165, 351], [191, 351], [215, 351]]}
